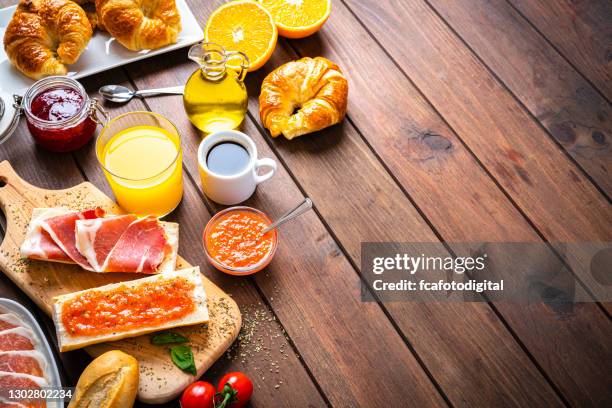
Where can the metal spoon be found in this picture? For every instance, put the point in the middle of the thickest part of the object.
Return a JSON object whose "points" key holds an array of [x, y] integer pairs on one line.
{"points": [[299, 210], [121, 94]]}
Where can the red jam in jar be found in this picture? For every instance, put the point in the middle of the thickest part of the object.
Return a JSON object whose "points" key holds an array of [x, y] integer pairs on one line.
{"points": [[57, 104], [58, 114]]}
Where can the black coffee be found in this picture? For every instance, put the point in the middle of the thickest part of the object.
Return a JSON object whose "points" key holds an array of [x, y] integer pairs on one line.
{"points": [[227, 158]]}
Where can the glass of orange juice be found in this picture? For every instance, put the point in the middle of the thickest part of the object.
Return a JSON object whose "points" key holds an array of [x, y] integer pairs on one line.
{"points": [[140, 153]]}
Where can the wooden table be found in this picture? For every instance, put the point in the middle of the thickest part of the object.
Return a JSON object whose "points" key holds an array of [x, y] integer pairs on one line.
{"points": [[472, 120]]}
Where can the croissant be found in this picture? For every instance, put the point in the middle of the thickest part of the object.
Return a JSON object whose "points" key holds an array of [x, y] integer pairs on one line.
{"points": [[140, 24], [43, 35], [89, 7], [303, 96]]}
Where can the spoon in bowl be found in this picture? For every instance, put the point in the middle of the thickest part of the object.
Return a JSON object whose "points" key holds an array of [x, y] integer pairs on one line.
{"points": [[121, 94], [291, 214]]}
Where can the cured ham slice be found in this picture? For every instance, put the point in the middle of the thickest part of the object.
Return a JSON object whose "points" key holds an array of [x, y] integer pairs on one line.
{"points": [[121, 243], [5, 403], [18, 338], [9, 321], [51, 236], [141, 248], [38, 244], [14, 381], [10, 404], [97, 238], [125, 243], [22, 365], [61, 228], [23, 362]]}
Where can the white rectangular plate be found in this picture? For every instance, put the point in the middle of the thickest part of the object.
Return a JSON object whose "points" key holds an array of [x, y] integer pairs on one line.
{"points": [[102, 52]]}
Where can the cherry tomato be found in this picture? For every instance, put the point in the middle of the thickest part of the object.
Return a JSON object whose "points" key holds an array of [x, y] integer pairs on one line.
{"points": [[234, 390], [200, 394]]}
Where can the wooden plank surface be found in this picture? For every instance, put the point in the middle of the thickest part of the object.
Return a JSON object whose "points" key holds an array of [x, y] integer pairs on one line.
{"points": [[568, 106], [531, 169], [471, 166], [580, 30], [342, 159], [461, 211], [322, 320]]}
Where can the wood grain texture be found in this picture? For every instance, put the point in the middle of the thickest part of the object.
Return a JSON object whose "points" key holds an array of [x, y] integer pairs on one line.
{"points": [[482, 352], [160, 380], [311, 286], [574, 113], [332, 159], [581, 30], [464, 347], [529, 166], [368, 213], [455, 194]]}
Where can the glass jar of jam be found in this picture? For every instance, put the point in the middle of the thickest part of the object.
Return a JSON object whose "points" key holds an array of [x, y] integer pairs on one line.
{"points": [[60, 115]]}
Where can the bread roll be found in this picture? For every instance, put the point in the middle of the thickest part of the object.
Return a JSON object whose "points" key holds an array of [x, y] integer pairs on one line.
{"points": [[110, 381]]}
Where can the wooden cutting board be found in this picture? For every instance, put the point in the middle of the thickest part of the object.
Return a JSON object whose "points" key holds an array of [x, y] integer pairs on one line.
{"points": [[160, 379]]}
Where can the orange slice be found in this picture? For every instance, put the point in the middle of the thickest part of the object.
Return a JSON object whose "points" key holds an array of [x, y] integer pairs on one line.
{"points": [[298, 18], [243, 26]]}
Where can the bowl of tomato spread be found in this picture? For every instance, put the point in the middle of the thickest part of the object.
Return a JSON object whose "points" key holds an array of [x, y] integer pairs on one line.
{"points": [[234, 244]]}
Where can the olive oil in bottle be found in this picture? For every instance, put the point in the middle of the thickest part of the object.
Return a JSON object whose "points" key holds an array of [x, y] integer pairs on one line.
{"points": [[215, 96]]}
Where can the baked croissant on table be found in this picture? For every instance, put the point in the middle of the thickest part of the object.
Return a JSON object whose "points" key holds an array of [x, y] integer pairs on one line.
{"points": [[303, 96], [43, 35]]}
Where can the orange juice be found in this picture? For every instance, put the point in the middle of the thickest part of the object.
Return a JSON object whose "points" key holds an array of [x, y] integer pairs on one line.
{"points": [[143, 165]]}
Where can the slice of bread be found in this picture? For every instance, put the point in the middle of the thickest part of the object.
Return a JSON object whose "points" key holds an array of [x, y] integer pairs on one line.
{"points": [[172, 235], [68, 341]]}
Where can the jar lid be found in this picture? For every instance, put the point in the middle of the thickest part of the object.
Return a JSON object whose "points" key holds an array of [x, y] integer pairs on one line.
{"points": [[9, 115]]}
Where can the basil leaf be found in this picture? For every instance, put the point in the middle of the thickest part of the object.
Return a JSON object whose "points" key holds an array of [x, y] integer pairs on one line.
{"points": [[182, 357], [168, 338]]}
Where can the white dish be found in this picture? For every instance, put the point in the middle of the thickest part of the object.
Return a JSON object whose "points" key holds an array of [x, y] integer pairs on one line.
{"points": [[102, 52], [51, 373]]}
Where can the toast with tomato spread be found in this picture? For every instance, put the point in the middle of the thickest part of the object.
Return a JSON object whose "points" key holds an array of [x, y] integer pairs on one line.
{"points": [[129, 309]]}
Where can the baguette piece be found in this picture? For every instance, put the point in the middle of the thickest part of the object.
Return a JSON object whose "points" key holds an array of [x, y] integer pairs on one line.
{"points": [[129, 309], [109, 381]]}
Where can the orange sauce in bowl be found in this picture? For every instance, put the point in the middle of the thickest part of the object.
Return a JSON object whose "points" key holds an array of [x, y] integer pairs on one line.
{"points": [[234, 242]]}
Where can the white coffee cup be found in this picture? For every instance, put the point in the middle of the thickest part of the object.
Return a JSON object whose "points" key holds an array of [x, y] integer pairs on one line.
{"points": [[235, 188]]}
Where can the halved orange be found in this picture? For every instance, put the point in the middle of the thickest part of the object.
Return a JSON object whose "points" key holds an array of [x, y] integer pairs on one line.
{"points": [[245, 26], [298, 18]]}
